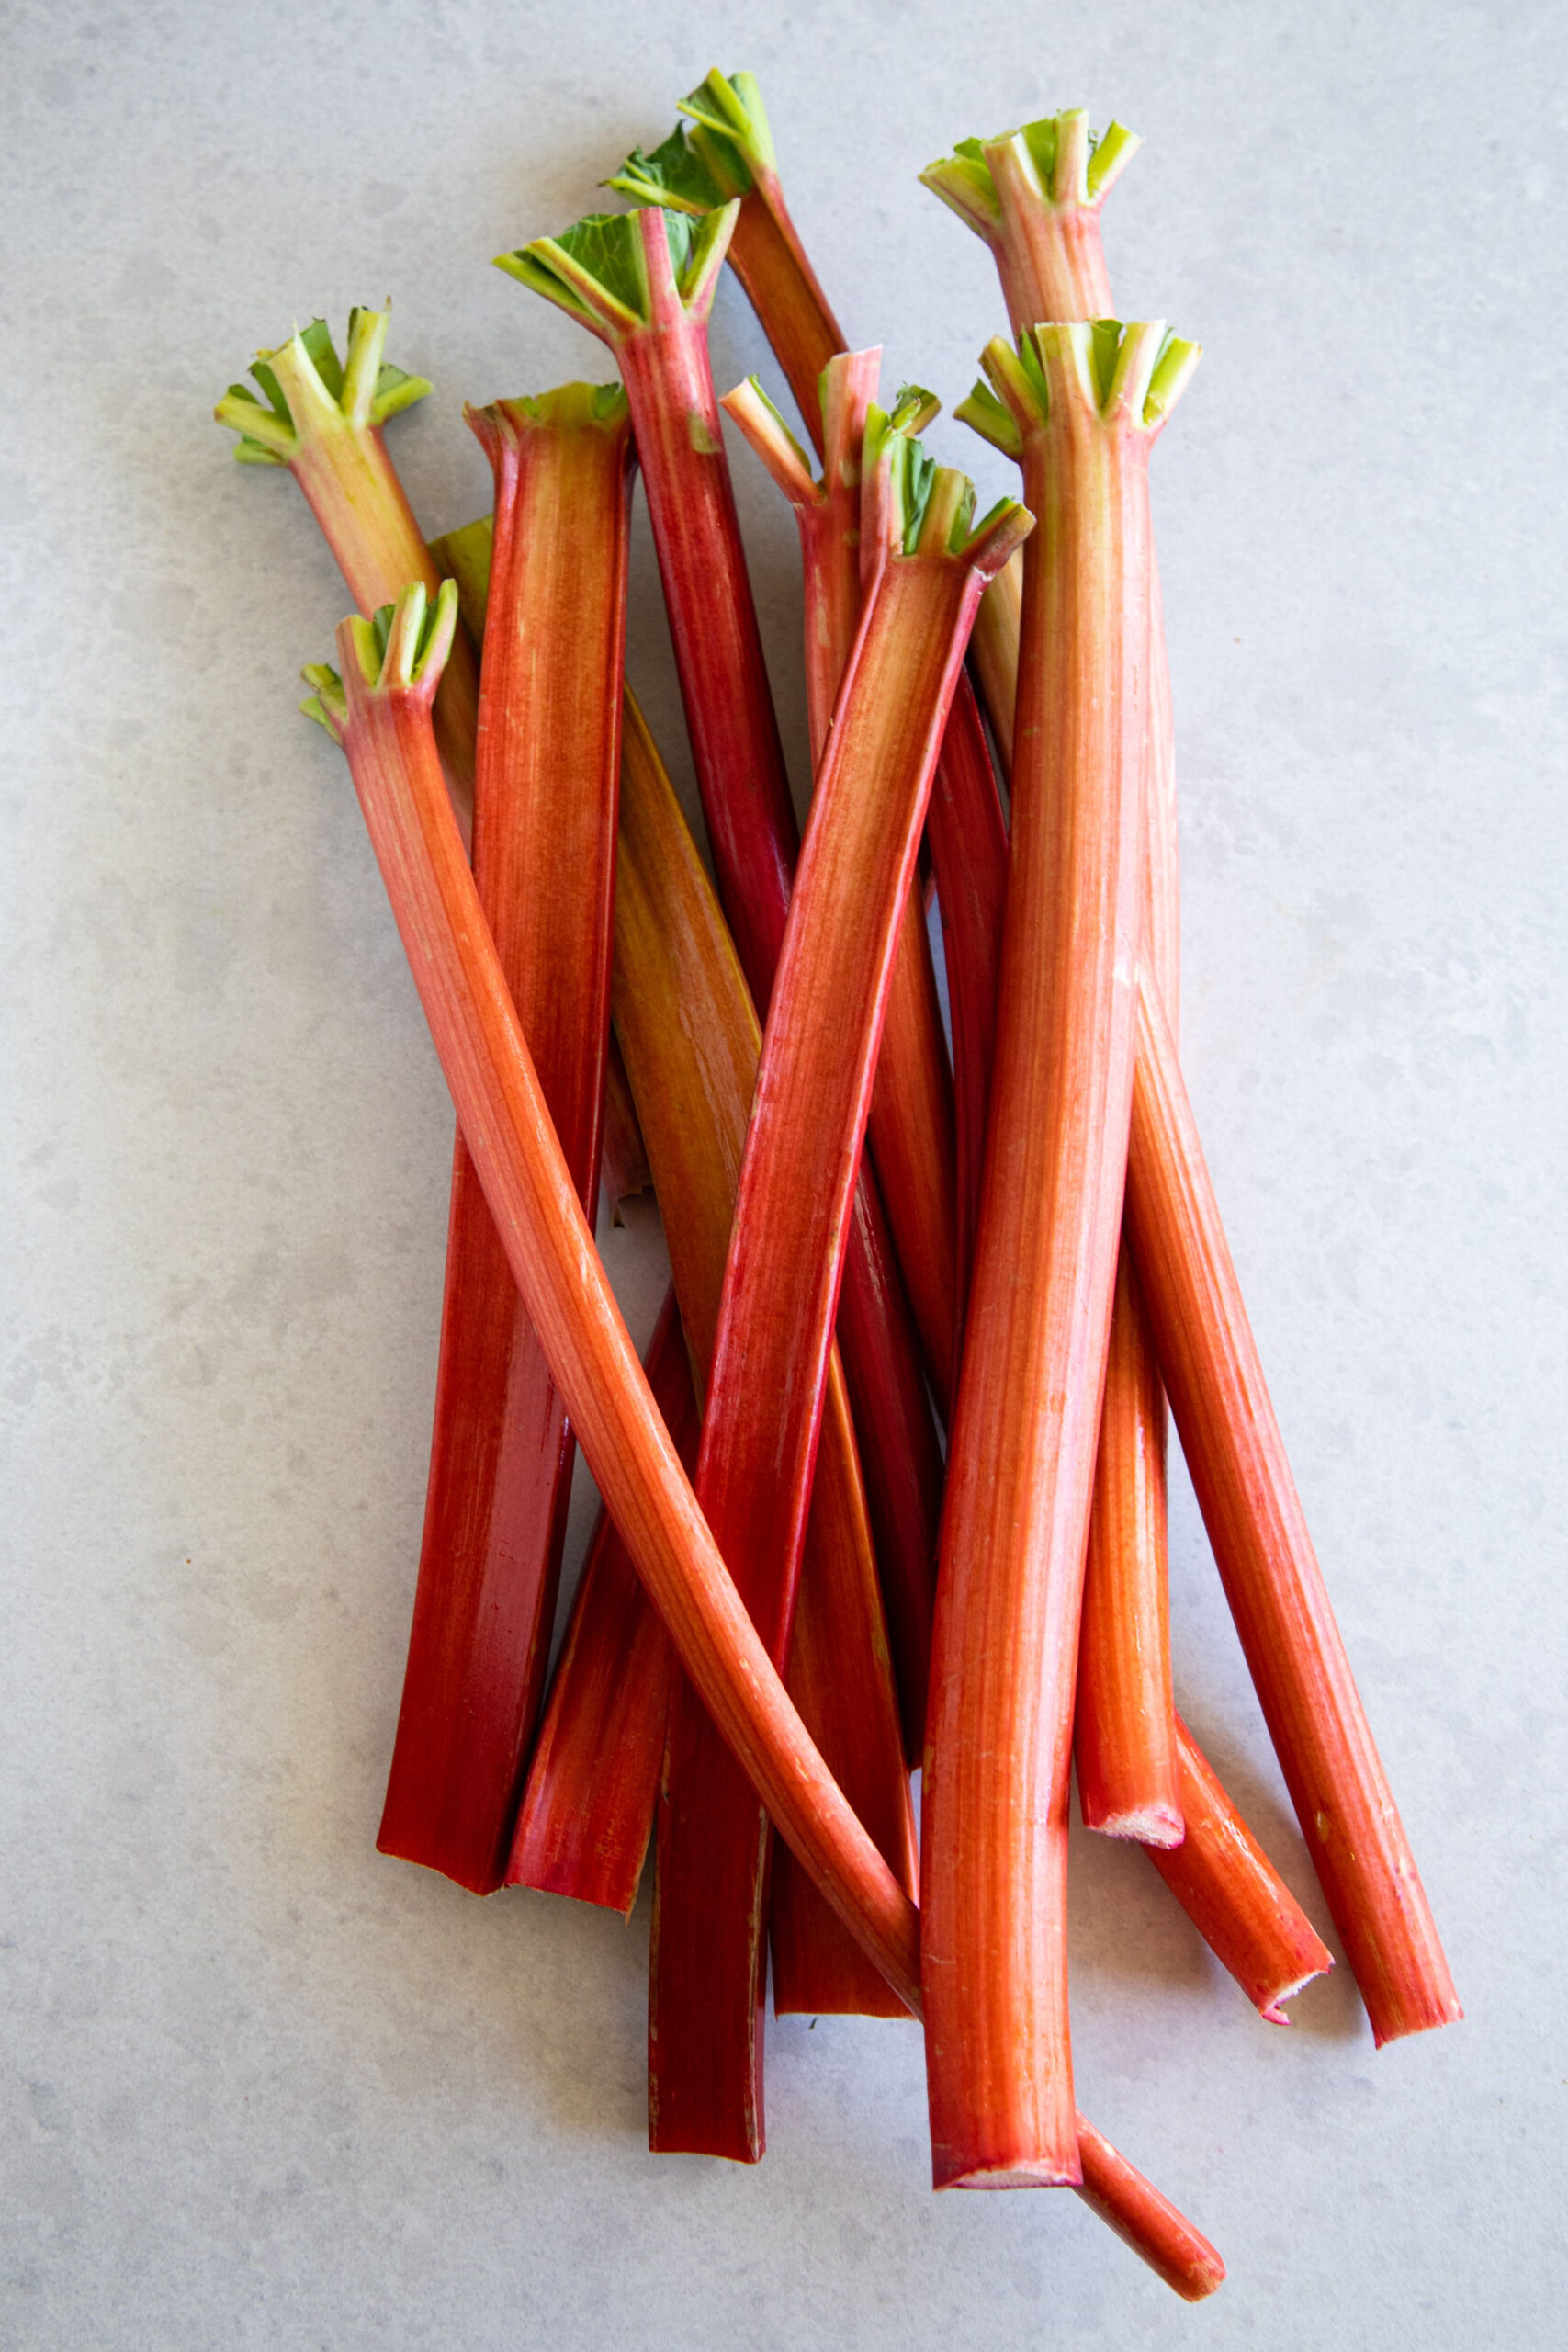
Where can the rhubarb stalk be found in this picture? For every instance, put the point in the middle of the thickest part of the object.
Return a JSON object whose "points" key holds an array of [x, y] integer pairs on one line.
{"points": [[1266, 1560], [322, 418], [1087, 403], [691, 1044], [1234, 1896], [379, 712], [644, 282], [546, 782], [1219, 1874], [911, 1128], [725, 152], [587, 1811], [782, 1277], [1035, 197]]}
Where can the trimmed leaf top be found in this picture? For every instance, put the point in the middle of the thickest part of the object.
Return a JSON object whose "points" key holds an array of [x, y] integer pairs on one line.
{"points": [[721, 152], [401, 648], [1059, 157], [308, 388], [599, 270], [672, 175], [1133, 374]]}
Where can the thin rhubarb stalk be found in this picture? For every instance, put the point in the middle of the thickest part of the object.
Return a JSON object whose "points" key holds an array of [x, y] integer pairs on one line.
{"points": [[1266, 1560], [379, 712], [694, 1039], [1088, 403], [546, 784], [1036, 196], [1234, 1896], [464, 556], [691, 1040], [322, 418], [782, 1276], [727, 151], [643, 282], [911, 1130], [587, 1811], [969, 851], [1219, 1874]]}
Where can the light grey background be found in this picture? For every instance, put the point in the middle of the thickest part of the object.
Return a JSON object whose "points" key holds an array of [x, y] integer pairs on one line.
{"points": [[264, 2088]]}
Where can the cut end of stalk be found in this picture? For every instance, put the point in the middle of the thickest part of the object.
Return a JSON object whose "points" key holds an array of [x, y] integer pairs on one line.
{"points": [[750, 408], [1026, 2176], [309, 390], [607, 270], [1271, 2005], [846, 389], [1157, 1826]]}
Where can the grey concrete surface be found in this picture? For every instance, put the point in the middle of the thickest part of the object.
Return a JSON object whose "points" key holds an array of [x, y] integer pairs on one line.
{"points": [[262, 2088]]}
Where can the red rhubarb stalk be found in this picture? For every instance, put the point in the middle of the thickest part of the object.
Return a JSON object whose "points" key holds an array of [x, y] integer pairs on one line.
{"points": [[691, 1044], [1266, 1560], [546, 782], [694, 1042], [1234, 1896], [724, 151], [643, 282], [587, 1811], [911, 1128], [782, 1277], [1219, 1874], [968, 836], [1036, 196], [379, 711], [1088, 402], [322, 418]]}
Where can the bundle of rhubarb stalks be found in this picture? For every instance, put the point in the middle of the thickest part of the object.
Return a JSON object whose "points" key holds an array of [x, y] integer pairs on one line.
{"points": [[888, 1489]]}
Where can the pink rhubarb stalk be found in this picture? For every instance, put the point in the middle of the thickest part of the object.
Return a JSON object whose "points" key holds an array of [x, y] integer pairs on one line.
{"points": [[546, 787], [782, 1278], [324, 419], [379, 712], [1035, 197], [1087, 403], [644, 282]]}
